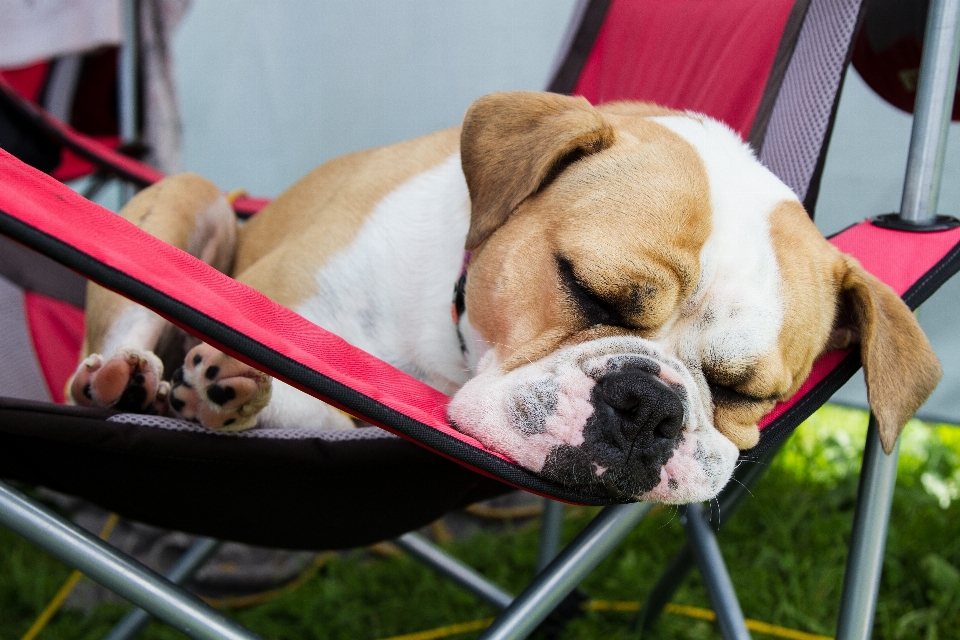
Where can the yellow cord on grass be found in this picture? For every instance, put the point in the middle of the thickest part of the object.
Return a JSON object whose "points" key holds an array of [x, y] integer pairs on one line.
{"points": [[239, 602], [444, 632], [67, 587], [627, 607]]}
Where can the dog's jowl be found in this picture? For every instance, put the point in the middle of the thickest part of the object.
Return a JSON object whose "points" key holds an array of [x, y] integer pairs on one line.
{"points": [[635, 291]]}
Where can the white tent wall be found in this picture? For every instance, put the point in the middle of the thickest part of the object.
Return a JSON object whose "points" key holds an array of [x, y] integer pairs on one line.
{"points": [[271, 89]]}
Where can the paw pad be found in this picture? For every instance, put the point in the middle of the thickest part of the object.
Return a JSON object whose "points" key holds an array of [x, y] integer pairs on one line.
{"points": [[129, 380], [218, 391]]}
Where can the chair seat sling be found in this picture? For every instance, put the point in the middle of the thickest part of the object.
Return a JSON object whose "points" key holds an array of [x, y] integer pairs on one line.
{"points": [[40, 213]]}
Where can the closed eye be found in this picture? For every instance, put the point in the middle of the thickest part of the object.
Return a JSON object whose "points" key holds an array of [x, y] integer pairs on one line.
{"points": [[728, 396], [595, 309]]}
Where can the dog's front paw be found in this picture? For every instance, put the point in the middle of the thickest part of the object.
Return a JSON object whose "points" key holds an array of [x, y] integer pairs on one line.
{"points": [[129, 380], [218, 391]]}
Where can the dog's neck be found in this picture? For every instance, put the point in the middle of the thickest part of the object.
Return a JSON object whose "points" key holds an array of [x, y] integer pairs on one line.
{"points": [[460, 300]]}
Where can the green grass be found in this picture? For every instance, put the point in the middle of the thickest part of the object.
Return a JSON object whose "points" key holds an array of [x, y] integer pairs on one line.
{"points": [[785, 549]]}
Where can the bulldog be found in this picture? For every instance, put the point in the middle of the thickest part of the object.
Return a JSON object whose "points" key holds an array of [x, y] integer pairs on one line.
{"points": [[634, 291]]}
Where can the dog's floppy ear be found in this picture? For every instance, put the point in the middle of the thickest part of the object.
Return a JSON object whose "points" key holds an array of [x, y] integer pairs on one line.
{"points": [[513, 142], [899, 365]]}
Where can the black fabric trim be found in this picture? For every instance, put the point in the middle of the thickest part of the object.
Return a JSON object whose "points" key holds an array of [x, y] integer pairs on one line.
{"points": [[23, 137], [565, 79], [35, 117], [294, 494], [781, 428], [781, 61], [35, 272], [217, 333], [813, 188]]}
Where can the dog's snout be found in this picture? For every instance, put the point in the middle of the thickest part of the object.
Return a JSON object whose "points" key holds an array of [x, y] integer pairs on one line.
{"points": [[646, 408]]}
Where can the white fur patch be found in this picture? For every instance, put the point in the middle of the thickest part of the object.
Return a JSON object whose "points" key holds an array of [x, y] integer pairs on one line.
{"points": [[526, 413], [291, 408], [696, 472], [390, 291], [135, 328], [736, 310]]}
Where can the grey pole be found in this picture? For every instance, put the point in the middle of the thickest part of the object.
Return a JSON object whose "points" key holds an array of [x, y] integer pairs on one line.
{"points": [[935, 93], [185, 568], [121, 574], [748, 473], [563, 575], [434, 557], [716, 579], [551, 523], [128, 76], [868, 540]]}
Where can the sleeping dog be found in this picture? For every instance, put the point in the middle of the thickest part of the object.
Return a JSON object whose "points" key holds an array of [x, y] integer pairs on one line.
{"points": [[634, 292]]}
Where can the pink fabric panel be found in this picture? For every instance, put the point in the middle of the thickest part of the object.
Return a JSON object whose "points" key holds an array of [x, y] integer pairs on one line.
{"points": [[27, 81], [56, 210], [899, 258], [647, 50], [56, 329], [73, 166], [248, 205]]}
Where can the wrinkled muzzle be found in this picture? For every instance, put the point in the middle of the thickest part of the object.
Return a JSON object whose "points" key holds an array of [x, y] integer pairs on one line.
{"points": [[613, 416]]}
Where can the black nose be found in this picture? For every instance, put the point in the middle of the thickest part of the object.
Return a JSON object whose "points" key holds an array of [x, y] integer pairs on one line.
{"points": [[640, 405], [633, 432]]}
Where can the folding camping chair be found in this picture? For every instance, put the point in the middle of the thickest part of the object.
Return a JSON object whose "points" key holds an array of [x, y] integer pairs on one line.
{"points": [[790, 108], [42, 315]]}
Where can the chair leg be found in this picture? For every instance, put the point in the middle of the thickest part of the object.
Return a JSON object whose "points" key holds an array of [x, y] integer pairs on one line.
{"points": [[180, 573], [716, 579], [445, 564], [936, 87], [747, 475], [117, 572], [569, 568], [868, 539], [551, 523]]}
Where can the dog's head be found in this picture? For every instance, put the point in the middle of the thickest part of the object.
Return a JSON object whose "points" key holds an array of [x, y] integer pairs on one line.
{"points": [[642, 291]]}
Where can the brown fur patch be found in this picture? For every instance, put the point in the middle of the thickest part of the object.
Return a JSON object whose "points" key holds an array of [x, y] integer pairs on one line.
{"points": [[899, 365], [512, 143], [631, 219], [169, 211], [808, 295], [822, 285]]}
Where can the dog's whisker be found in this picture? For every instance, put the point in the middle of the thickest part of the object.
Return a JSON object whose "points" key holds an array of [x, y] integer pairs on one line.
{"points": [[673, 514], [746, 488], [512, 350]]}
